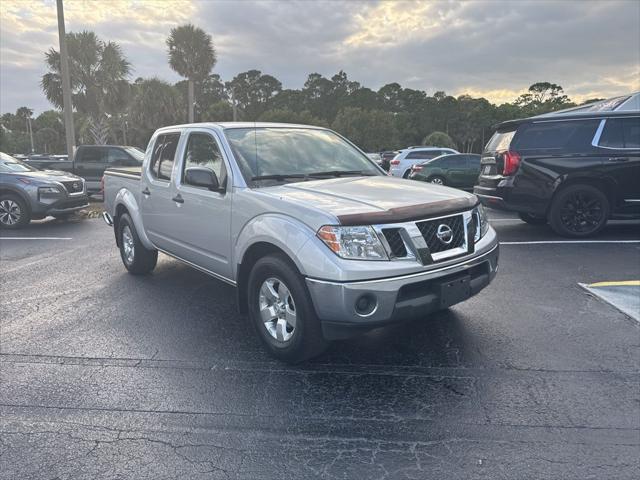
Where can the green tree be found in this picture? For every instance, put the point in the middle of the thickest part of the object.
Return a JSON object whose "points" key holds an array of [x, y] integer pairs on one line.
{"points": [[371, 130], [155, 103], [252, 91], [98, 73], [288, 116], [192, 56], [439, 139]]}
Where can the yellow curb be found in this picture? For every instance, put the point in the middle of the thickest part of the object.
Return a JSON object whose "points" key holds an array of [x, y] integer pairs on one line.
{"points": [[632, 283]]}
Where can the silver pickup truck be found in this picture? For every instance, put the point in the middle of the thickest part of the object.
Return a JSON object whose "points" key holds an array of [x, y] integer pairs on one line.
{"points": [[319, 242]]}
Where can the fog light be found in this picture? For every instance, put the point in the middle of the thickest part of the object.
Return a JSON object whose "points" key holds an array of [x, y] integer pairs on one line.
{"points": [[366, 304]]}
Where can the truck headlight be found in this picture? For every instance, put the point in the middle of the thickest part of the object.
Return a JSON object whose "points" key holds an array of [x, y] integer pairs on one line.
{"points": [[353, 243], [482, 222]]}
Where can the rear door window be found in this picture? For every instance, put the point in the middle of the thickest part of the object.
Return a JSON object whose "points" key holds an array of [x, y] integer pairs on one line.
{"points": [[163, 157], [621, 133], [93, 155], [424, 155], [119, 157], [556, 135]]}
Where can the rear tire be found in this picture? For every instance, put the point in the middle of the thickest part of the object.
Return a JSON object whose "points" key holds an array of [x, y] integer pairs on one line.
{"points": [[137, 259], [281, 310], [532, 219], [406, 174], [14, 212], [437, 180], [579, 211]]}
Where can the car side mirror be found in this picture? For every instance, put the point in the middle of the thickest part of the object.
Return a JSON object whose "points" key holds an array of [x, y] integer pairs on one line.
{"points": [[202, 177]]}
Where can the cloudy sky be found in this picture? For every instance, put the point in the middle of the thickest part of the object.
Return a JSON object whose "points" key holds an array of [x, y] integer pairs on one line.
{"points": [[489, 48]]}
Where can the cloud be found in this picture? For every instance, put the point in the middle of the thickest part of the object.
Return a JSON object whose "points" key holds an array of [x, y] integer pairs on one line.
{"points": [[490, 48]]}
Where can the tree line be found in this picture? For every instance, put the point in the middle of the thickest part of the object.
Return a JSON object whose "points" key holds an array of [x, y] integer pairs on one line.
{"points": [[109, 108]]}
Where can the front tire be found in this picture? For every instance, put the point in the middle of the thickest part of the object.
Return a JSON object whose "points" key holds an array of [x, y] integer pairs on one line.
{"points": [[281, 311], [532, 219], [137, 259], [579, 211], [13, 212]]}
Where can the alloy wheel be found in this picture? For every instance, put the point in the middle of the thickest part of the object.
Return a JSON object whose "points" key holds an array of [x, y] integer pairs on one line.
{"points": [[10, 212], [437, 181], [581, 212], [277, 309], [128, 245]]}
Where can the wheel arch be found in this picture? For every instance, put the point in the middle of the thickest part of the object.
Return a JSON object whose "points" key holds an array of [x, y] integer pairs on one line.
{"points": [[603, 184], [125, 202]]}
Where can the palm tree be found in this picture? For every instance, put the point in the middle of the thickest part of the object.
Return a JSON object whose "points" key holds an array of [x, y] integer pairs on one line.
{"points": [[25, 113], [191, 55], [99, 84]]}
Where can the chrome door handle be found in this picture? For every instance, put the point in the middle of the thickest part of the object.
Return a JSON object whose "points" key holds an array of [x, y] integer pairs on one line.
{"points": [[619, 159], [146, 191], [178, 199]]}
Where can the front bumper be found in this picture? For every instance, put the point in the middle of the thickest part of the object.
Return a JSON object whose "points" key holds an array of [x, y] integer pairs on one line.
{"points": [[397, 298], [63, 207]]}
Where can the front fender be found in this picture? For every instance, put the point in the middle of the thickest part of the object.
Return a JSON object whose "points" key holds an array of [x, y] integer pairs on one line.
{"points": [[125, 198], [286, 233]]}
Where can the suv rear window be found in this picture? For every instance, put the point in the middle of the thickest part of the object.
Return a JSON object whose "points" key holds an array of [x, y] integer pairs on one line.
{"points": [[554, 135], [621, 133], [500, 141], [164, 152]]}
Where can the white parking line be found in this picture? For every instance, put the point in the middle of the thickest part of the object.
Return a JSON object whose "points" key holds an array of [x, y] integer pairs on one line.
{"points": [[36, 238], [567, 242]]}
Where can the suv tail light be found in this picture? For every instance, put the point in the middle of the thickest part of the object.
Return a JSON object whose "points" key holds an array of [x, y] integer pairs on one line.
{"points": [[416, 168], [395, 162], [511, 161]]}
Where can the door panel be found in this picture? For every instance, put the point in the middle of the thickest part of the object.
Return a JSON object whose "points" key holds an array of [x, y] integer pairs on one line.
{"points": [[159, 211], [205, 216]]}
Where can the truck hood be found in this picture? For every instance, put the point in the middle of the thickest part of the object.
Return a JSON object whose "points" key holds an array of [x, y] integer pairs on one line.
{"points": [[372, 200]]}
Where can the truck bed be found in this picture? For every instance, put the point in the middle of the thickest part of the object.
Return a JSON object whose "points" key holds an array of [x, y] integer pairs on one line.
{"points": [[117, 179], [124, 171]]}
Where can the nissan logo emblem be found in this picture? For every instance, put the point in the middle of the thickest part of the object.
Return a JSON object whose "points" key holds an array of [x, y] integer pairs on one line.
{"points": [[444, 233], [76, 186]]}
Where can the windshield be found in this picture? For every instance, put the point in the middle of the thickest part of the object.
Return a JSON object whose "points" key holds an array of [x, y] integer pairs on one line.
{"points": [[295, 154], [9, 164], [135, 153]]}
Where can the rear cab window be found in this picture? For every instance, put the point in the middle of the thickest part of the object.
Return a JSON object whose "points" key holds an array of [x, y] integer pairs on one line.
{"points": [[163, 156]]}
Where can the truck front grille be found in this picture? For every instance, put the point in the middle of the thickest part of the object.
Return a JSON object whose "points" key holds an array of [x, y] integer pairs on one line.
{"points": [[430, 228]]}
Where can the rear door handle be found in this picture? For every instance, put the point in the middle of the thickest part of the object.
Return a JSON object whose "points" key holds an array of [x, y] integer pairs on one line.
{"points": [[146, 191], [619, 159], [178, 199]]}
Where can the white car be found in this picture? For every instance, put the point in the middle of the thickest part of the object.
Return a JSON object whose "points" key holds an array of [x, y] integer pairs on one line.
{"points": [[402, 163]]}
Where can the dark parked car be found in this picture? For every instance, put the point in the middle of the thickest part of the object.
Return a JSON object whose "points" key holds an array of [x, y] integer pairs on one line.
{"points": [[460, 170], [90, 162], [386, 158], [27, 193], [574, 169]]}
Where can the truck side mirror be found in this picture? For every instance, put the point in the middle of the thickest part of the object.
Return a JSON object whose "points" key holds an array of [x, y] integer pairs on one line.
{"points": [[202, 177]]}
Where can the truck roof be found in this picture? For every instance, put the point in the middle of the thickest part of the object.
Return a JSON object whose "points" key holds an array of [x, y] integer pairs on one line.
{"points": [[230, 125]]}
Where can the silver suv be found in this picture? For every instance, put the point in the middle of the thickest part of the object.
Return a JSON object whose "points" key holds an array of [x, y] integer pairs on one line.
{"points": [[319, 242], [401, 164]]}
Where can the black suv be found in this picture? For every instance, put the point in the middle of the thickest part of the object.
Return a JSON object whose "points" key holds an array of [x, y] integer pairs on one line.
{"points": [[573, 169]]}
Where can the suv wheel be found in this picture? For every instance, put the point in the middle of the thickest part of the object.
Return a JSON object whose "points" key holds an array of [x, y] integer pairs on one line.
{"points": [[532, 219], [13, 212], [437, 180], [136, 257], [281, 311], [579, 211]]}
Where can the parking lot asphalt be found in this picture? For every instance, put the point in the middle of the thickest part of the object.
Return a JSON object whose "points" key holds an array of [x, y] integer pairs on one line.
{"points": [[106, 375]]}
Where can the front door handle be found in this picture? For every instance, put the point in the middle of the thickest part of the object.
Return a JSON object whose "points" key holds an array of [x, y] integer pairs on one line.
{"points": [[619, 159], [178, 199], [146, 191]]}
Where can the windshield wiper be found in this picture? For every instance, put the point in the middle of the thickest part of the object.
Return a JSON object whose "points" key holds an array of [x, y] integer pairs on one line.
{"points": [[338, 173], [278, 176]]}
